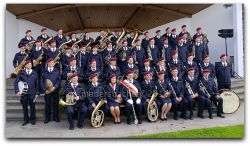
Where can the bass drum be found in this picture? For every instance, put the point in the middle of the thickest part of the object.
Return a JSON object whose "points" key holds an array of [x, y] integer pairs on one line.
{"points": [[231, 101]]}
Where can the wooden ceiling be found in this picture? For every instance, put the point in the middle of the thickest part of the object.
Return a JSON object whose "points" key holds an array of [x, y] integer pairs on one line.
{"points": [[93, 17]]}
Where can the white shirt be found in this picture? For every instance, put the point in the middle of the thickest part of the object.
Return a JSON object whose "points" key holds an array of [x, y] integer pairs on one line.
{"points": [[111, 86], [130, 81], [175, 61], [73, 85], [190, 63], [112, 67], [206, 64], [95, 85], [147, 68], [180, 45], [28, 38], [30, 71], [38, 49], [147, 81], [191, 78], [205, 78], [109, 49], [176, 79], [73, 67], [50, 69], [198, 44], [125, 48], [224, 63], [53, 49], [83, 52], [73, 39], [131, 66], [138, 48], [94, 53], [67, 54], [93, 69], [165, 46]]}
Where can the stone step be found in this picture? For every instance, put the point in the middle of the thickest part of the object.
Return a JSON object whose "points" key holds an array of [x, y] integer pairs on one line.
{"points": [[19, 109], [237, 85], [19, 116], [239, 91], [17, 102]]}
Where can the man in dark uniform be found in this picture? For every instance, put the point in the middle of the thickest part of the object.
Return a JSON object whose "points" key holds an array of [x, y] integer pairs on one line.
{"points": [[115, 38], [129, 97], [60, 38], [43, 36], [184, 30], [73, 69], [87, 38], [52, 74], [94, 69], [152, 52], [96, 92], [207, 65], [178, 96], [130, 65], [146, 68], [130, 39], [54, 53], [192, 93], [122, 55], [66, 57], [138, 54], [82, 57], [223, 73], [158, 39], [107, 54], [175, 62], [73, 38], [30, 77], [187, 42], [98, 39], [167, 34], [174, 38], [112, 69], [26, 39], [182, 50], [191, 64], [199, 50], [80, 99], [212, 94], [145, 41], [198, 33], [96, 56], [166, 53], [19, 57], [204, 44], [161, 67]]}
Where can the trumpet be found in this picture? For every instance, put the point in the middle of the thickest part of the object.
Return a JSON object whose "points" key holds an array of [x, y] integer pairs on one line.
{"points": [[190, 91], [172, 88], [203, 88]]}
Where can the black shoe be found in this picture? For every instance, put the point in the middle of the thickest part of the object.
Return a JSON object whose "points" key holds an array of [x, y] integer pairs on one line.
{"points": [[115, 122], [71, 128], [149, 121], [57, 120], [191, 118], [219, 115], [165, 119], [33, 122], [202, 117], [161, 119], [211, 116], [24, 123], [185, 118], [80, 127], [129, 123], [175, 118], [139, 122], [118, 122], [46, 121]]}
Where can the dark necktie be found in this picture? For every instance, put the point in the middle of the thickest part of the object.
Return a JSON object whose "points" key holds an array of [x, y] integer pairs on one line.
{"points": [[50, 70], [28, 72], [161, 82], [74, 86]]}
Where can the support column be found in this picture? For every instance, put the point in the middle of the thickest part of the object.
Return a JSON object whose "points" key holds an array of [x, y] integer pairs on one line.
{"points": [[238, 39]]}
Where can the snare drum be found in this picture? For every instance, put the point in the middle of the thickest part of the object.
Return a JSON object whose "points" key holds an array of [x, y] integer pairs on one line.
{"points": [[23, 87], [231, 101]]}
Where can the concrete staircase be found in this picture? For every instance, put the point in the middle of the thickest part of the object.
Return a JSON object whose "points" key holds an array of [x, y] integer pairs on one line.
{"points": [[14, 107]]}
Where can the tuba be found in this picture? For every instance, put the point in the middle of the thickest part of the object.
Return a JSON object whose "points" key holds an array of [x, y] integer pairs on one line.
{"points": [[46, 43], [120, 39], [21, 65], [61, 48], [75, 47], [97, 116], [30, 45], [104, 40], [88, 45], [137, 34], [152, 110], [48, 85], [70, 99]]}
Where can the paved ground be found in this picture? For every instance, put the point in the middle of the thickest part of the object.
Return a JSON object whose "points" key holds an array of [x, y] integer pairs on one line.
{"points": [[111, 130]]}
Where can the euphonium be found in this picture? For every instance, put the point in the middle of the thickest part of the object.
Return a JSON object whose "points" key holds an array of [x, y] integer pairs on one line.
{"points": [[88, 45], [104, 40], [75, 46], [30, 45], [97, 115], [21, 65], [152, 110], [120, 39], [61, 48], [46, 43], [37, 61], [137, 34], [70, 99]]}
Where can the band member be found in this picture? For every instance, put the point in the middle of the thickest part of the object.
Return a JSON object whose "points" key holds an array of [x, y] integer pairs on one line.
{"points": [[97, 56], [66, 57], [158, 39], [131, 94], [175, 62], [98, 39], [182, 50], [130, 39], [174, 38], [60, 38], [38, 58], [192, 93], [145, 41], [187, 42], [198, 32], [113, 96], [167, 34], [178, 96], [112, 69], [162, 67], [108, 53], [204, 44], [207, 65], [94, 69], [212, 94], [223, 73], [191, 64], [130, 65], [80, 99], [164, 92], [43, 36], [30, 77], [148, 87], [122, 54], [53, 52], [138, 53], [166, 53], [26, 39], [82, 57], [73, 69], [115, 38], [96, 92], [87, 38], [152, 52], [73, 38], [199, 50], [19, 57], [147, 68], [52, 74], [184, 30]]}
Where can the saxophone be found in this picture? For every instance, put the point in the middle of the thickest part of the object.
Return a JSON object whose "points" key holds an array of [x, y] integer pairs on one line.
{"points": [[20, 65], [97, 116], [152, 110], [56, 59], [190, 91], [37, 61]]}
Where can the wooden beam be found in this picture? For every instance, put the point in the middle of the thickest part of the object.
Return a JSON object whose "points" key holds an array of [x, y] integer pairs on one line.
{"points": [[131, 17], [78, 18]]}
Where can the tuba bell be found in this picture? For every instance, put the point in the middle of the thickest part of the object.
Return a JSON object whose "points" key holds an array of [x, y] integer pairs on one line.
{"points": [[104, 40], [137, 34], [120, 39], [30, 45], [46, 43], [97, 116], [152, 110], [48, 85], [61, 48], [70, 99]]}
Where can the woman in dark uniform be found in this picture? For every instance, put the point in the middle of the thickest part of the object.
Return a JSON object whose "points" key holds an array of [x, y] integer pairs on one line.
{"points": [[114, 98], [164, 92]]}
